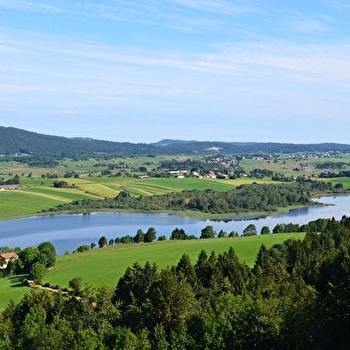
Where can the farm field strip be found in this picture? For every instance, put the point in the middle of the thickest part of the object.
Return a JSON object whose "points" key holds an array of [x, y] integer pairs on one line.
{"points": [[160, 186], [59, 194], [56, 197], [19, 203], [99, 190]]}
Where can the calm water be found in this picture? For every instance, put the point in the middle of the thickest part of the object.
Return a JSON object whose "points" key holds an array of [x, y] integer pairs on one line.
{"points": [[67, 232]]}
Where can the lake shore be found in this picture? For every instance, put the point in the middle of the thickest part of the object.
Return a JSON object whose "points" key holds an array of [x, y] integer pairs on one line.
{"points": [[189, 213], [68, 231]]}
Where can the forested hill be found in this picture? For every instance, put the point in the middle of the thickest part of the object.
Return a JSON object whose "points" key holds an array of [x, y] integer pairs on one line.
{"points": [[21, 141], [15, 140], [249, 147]]}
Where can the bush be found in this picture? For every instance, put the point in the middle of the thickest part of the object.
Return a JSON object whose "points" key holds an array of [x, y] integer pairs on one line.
{"points": [[76, 284], [339, 186], [82, 248], [37, 272], [60, 184]]}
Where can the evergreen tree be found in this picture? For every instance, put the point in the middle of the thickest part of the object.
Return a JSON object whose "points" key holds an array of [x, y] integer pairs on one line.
{"points": [[150, 235]]}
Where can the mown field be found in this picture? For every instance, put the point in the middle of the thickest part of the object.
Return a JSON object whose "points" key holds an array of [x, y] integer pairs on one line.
{"points": [[11, 288], [106, 265], [37, 196]]}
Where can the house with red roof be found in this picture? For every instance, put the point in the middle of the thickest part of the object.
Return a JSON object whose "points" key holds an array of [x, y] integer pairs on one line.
{"points": [[5, 258]]}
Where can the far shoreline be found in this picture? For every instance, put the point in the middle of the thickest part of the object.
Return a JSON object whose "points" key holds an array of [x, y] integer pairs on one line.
{"points": [[188, 213]]}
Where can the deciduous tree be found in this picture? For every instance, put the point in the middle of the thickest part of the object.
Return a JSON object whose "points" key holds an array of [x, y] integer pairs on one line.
{"points": [[208, 232]]}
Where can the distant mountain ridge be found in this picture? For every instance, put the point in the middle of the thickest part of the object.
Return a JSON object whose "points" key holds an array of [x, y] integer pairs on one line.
{"points": [[13, 140]]}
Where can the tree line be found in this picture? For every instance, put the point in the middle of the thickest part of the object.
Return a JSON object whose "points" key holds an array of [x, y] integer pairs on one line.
{"points": [[331, 174], [207, 232], [296, 296]]}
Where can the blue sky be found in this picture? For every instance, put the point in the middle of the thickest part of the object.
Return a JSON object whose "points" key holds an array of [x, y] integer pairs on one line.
{"points": [[141, 71]]}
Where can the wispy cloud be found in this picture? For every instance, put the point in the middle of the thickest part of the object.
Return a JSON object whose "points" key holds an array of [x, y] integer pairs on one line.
{"points": [[227, 8], [34, 6], [339, 5], [174, 17], [311, 26], [186, 16], [49, 62]]}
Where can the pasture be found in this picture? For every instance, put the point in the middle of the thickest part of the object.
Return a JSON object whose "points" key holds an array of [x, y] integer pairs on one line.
{"points": [[104, 266], [38, 193], [37, 196], [11, 288]]}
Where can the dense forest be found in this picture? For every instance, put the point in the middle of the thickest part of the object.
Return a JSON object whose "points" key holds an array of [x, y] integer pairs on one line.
{"points": [[15, 141], [296, 296], [244, 198]]}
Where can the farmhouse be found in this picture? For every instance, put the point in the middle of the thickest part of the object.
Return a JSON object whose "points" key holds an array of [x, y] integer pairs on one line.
{"points": [[212, 174], [143, 177], [9, 187], [5, 258]]}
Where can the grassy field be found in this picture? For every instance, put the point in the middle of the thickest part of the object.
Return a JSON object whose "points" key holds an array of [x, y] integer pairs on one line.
{"points": [[38, 193], [105, 266], [285, 164], [11, 288], [41, 195]]}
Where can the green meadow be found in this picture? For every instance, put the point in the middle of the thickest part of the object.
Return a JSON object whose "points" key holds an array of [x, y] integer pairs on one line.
{"points": [[104, 266], [41, 195], [11, 288], [37, 195]]}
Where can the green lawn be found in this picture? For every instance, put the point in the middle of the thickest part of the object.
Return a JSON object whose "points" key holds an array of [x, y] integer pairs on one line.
{"points": [[344, 180], [11, 288], [19, 203], [105, 266]]}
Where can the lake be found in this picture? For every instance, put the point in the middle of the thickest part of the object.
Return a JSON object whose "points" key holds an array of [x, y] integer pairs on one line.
{"points": [[67, 232]]}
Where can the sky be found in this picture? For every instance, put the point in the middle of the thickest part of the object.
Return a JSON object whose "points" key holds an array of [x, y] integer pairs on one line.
{"points": [[207, 70]]}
